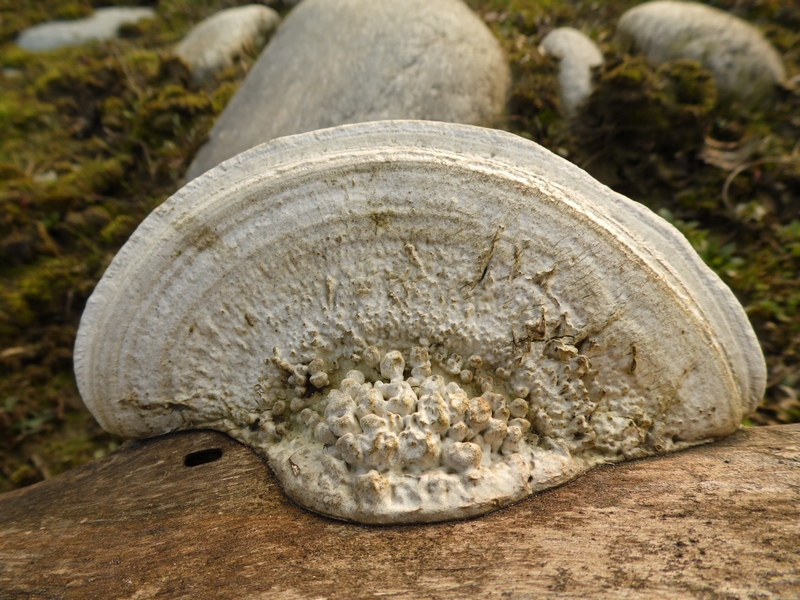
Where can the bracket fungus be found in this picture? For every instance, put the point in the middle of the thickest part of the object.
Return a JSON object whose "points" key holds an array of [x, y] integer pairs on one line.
{"points": [[415, 321]]}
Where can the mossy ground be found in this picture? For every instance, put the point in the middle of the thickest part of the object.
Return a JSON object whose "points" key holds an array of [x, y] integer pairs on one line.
{"points": [[93, 138]]}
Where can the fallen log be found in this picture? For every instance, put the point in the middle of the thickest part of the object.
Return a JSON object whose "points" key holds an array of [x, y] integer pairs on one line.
{"points": [[199, 515]]}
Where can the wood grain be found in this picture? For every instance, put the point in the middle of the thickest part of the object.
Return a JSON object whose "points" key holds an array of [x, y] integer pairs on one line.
{"points": [[719, 521]]}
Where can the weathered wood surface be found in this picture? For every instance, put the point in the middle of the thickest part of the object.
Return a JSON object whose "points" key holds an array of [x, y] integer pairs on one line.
{"points": [[720, 521]]}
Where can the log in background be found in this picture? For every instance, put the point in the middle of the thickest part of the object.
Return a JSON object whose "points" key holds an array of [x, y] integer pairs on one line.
{"points": [[718, 521]]}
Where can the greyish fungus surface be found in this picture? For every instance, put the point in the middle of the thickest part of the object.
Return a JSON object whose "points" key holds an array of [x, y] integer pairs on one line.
{"points": [[415, 322]]}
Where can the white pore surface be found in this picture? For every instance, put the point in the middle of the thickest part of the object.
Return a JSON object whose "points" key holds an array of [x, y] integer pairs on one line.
{"points": [[415, 321], [743, 62]]}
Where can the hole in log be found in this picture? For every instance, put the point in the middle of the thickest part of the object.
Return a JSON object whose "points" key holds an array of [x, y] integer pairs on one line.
{"points": [[202, 457]]}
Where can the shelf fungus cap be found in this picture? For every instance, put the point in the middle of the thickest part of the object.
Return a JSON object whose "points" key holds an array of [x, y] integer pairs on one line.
{"points": [[415, 321]]}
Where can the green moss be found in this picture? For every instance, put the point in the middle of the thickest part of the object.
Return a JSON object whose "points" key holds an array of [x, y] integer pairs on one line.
{"points": [[15, 57], [72, 10], [86, 182], [24, 475], [81, 443], [41, 290], [169, 110], [637, 107], [118, 231], [689, 86], [222, 95], [18, 115], [525, 17], [9, 172]]}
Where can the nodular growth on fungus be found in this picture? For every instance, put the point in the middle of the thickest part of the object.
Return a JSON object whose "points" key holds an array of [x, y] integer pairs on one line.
{"points": [[415, 321]]}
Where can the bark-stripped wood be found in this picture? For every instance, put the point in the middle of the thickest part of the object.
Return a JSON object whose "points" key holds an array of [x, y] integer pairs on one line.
{"points": [[718, 521]]}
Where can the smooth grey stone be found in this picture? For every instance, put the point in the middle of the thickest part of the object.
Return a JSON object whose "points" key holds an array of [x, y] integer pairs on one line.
{"points": [[103, 25], [745, 65], [347, 61], [577, 55], [214, 43]]}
